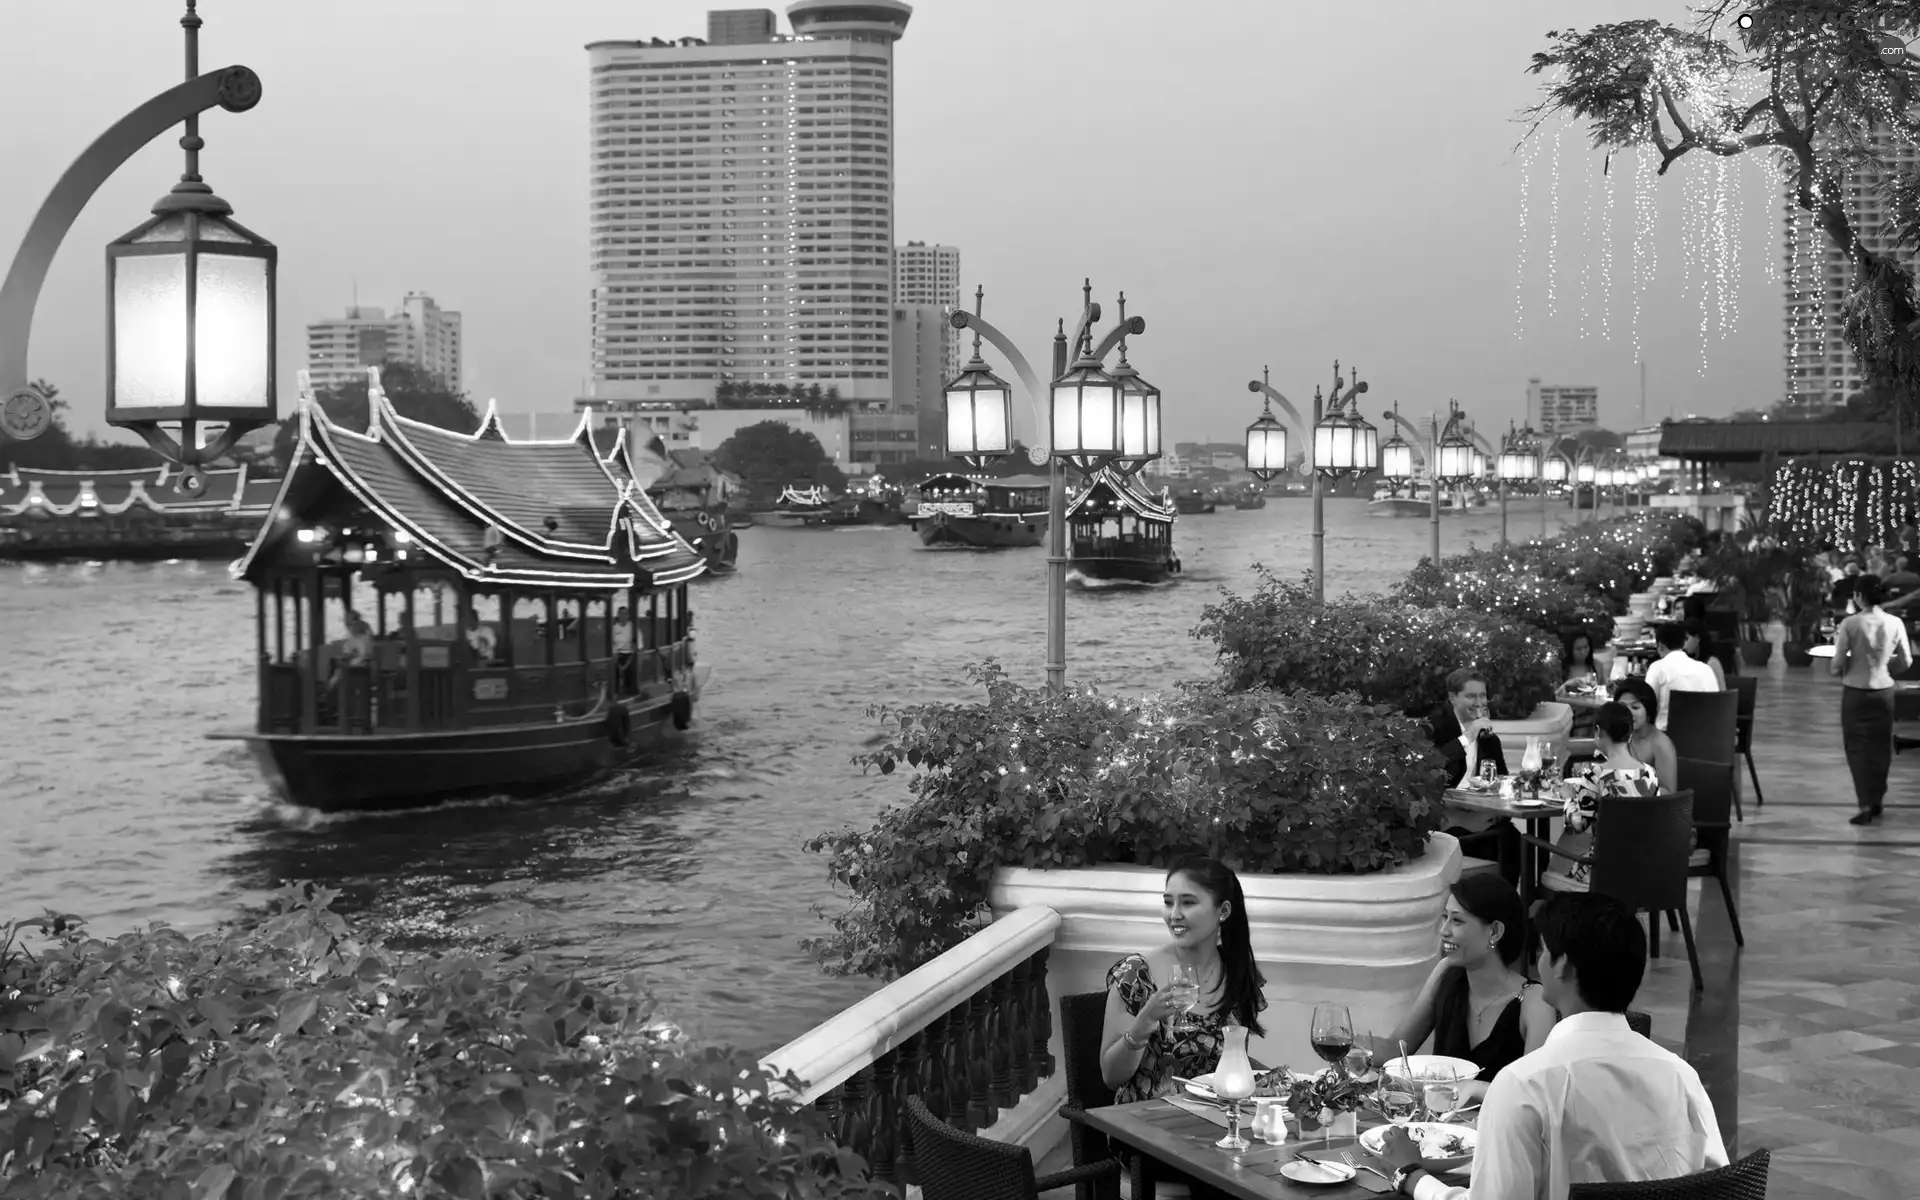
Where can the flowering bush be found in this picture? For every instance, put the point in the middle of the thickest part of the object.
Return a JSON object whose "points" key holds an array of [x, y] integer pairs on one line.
{"points": [[1265, 781], [294, 1058], [1499, 587], [1382, 652]]}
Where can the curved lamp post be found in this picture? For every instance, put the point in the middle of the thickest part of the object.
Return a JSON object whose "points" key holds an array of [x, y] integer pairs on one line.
{"points": [[190, 315], [1519, 460], [1097, 418], [1396, 462], [1343, 444], [1586, 474], [1555, 467]]}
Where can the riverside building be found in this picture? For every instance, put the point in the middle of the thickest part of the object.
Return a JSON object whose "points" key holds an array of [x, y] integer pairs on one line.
{"points": [[929, 277], [741, 207], [419, 333]]}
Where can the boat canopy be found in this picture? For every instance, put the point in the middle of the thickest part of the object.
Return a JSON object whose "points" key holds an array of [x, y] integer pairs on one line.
{"points": [[62, 493], [496, 511], [1108, 490], [812, 497]]}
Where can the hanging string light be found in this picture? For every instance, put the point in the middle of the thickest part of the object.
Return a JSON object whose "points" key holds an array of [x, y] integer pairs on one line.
{"points": [[1645, 251], [1528, 150], [1583, 273], [1553, 232], [1725, 219], [1606, 246]]}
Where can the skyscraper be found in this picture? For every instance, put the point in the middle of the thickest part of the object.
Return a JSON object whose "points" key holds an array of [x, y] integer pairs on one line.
{"points": [[1820, 366], [741, 208], [1554, 408], [929, 277], [419, 333]]}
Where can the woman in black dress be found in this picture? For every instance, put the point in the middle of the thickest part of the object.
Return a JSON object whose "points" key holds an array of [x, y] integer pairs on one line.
{"points": [[1478, 1004]]}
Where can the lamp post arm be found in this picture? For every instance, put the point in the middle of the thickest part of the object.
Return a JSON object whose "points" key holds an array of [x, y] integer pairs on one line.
{"points": [[1483, 443], [962, 319], [1134, 326], [1286, 405], [235, 89], [1414, 436]]}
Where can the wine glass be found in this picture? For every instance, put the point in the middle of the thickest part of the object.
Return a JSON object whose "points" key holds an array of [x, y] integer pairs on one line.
{"points": [[1184, 992], [1441, 1097], [1332, 1037], [1549, 762]]}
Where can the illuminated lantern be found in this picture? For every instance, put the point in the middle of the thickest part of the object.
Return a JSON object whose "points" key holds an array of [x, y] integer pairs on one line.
{"points": [[979, 414], [1266, 446]]}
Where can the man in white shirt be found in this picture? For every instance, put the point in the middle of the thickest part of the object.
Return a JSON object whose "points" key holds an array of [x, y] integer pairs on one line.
{"points": [[1597, 1103], [1677, 671]]}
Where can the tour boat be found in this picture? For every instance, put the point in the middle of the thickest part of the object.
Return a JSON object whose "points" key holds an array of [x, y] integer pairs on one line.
{"points": [[1250, 496], [582, 654], [798, 508], [1194, 500], [1415, 502], [958, 512], [1119, 531], [139, 514], [692, 494]]}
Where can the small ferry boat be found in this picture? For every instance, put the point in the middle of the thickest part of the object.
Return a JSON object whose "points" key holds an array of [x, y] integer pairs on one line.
{"points": [[131, 515], [1116, 530], [799, 508], [1417, 501], [1194, 500], [1249, 496], [440, 614], [692, 494], [958, 512]]}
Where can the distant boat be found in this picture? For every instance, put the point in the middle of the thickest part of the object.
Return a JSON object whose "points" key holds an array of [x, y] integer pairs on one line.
{"points": [[1250, 496], [692, 494], [1118, 530], [958, 512], [1193, 500], [798, 508], [1416, 501], [139, 514]]}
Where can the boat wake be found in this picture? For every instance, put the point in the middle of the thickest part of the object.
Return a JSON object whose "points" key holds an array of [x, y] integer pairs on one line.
{"points": [[275, 813], [1077, 580]]}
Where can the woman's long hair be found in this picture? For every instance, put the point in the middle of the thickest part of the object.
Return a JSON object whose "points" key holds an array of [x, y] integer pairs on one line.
{"points": [[1241, 980], [1567, 638]]}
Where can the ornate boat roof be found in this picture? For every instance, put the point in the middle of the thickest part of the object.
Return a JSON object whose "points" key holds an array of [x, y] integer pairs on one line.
{"points": [[157, 489], [498, 511], [1107, 487]]}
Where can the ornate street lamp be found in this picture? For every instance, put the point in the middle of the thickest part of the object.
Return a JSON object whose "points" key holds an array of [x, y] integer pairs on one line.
{"points": [[1266, 445], [190, 316], [1396, 459], [979, 408], [1454, 459], [1139, 411], [1343, 442], [1086, 414], [1519, 460], [1554, 469]]}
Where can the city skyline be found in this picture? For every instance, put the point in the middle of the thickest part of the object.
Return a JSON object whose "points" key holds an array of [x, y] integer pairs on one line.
{"points": [[1244, 242]]}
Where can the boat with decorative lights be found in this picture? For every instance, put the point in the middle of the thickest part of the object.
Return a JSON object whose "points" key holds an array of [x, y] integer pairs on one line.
{"points": [[441, 613], [1249, 496], [799, 508], [139, 514], [690, 492], [1194, 500], [958, 512], [1117, 530]]}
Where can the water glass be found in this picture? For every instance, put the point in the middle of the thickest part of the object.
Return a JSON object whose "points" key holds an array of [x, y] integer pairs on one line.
{"points": [[1488, 772], [1396, 1100], [1440, 1099]]}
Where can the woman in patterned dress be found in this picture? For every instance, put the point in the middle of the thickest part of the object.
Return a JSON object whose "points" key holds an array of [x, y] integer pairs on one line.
{"points": [[1618, 773], [1141, 1047]]}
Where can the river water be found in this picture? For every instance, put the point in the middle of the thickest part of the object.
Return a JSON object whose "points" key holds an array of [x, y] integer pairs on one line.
{"points": [[689, 868]]}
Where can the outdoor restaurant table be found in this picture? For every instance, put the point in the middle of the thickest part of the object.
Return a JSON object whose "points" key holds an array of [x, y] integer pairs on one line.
{"points": [[1183, 1141], [1536, 817]]}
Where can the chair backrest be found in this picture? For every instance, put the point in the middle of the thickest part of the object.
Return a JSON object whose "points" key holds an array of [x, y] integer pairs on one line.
{"points": [[1712, 786], [1744, 1180], [1082, 1020], [1747, 688], [1704, 724], [959, 1166], [1640, 849]]}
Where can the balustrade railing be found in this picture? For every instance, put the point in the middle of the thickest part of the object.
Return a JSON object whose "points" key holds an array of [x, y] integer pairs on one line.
{"points": [[967, 1033]]}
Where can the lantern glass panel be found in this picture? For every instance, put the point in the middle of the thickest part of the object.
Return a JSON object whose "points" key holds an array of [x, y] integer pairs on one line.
{"points": [[977, 419], [1366, 446], [1584, 473], [1554, 470], [1456, 460], [1267, 446], [150, 331], [1333, 447], [230, 336], [1139, 423], [1085, 418], [1396, 460]]}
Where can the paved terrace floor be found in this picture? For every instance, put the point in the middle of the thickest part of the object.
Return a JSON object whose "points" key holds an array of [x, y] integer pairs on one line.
{"points": [[1806, 1039]]}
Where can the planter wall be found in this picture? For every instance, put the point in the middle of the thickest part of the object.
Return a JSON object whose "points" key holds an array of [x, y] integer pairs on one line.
{"points": [[1367, 940], [1552, 720]]}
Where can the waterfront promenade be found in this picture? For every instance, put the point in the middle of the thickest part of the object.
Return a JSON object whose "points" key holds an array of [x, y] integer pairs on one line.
{"points": [[1808, 1037]]}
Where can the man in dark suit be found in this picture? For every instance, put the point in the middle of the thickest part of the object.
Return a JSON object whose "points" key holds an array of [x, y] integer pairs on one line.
{"points": [[1465, 738]]}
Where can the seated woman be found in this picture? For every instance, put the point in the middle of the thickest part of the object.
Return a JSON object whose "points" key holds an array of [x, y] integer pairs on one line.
{"points": [[1650, 744], [1618, 774], [1478, 1004], [1143, 1044], [1700, 646], [1578, 670]]}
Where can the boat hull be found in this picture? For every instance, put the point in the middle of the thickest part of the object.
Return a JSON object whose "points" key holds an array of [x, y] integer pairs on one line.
{"points": [[714, 538], [1399, 506], [1250, 502], [979, 533], [223, 547], [784, 519], [1127, 570], [375, 772]]}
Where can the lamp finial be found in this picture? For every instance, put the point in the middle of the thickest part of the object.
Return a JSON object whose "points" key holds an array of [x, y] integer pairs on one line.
{"points": [[979, 302]]}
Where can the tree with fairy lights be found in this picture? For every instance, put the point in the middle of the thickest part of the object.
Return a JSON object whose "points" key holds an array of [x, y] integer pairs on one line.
{"points": [[1825, 86]]}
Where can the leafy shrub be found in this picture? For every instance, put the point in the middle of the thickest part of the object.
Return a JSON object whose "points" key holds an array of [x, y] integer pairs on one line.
{"points": [[294, 1058], [1489, 583], [1384, 653], [1266, 782]]}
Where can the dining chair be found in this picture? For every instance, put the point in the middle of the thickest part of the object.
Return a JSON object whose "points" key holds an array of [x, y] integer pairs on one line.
{"points": [[1706, 725], [959, 1166], [1748, 689], [1640, 849], [1712, 786], [1743, 1180], [1082, 1021]]}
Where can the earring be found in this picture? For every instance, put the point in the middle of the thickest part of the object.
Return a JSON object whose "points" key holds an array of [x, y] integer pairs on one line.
{"points": [[1217, 939], [1493, 943]]}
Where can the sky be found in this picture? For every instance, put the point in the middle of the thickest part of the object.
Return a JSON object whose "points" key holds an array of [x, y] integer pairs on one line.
{"points": [[1271, 182]]}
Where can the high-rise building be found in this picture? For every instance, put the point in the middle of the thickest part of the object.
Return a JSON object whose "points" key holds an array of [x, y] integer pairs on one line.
{"points": [[741, 209], [1820, 366], [419, 333], [920, 374], [929, 276], [1557, 409]]}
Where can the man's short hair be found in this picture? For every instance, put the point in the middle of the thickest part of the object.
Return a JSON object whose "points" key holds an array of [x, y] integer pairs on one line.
{"points": [[1459, 678], [1672, 637], [1603, 939]]}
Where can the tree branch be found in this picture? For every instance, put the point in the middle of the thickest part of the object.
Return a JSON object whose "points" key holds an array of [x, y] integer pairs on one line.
{"points": [[1673, 110]]}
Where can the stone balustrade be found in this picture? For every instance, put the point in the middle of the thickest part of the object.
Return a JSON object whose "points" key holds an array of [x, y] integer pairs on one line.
{"points": [[968, 1033]]}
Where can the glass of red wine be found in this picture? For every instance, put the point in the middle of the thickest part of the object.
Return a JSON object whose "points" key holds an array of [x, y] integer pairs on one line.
{"points": [[1332, 1037]]}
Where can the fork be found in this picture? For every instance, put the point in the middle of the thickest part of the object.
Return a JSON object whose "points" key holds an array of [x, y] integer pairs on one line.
{"points": [[1360, 1166]]}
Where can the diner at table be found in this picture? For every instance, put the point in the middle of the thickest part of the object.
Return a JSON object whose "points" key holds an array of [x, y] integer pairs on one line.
{"points": [[1618, 773], [1676, 670], [1649, 743]]}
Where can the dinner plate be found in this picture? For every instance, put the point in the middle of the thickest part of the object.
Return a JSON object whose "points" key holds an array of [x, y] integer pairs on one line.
{"points": [[1820, 651], [1326, 1173], [1427, 1133], [1432, 1068]]}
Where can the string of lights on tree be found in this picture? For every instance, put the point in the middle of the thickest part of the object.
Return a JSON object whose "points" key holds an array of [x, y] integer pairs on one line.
{"points": [[1853, 504]]}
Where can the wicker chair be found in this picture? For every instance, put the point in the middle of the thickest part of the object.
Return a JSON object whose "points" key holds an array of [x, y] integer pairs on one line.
{"points": [[1640, 1023], [1747, 688], [1706, 726], [1744, 1180], [1712, 786], [959, 1166], [1082, 1020], [1640, 849]]}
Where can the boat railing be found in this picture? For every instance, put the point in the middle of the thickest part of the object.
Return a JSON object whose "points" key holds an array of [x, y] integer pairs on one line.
{"points": [[968, 1033]]}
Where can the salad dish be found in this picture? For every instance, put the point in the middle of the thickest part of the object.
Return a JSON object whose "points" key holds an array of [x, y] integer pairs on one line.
{"points": [[1442, 1147]]}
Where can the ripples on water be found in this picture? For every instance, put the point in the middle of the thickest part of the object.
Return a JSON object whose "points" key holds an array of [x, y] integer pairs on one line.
{"points": [[689, 866]]}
